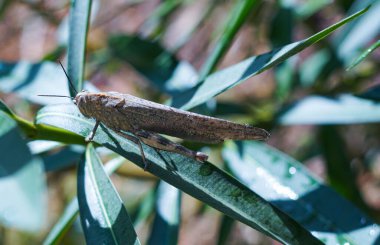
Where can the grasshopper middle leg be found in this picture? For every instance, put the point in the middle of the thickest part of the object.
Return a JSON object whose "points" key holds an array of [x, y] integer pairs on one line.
{"points": [[136, 140]]}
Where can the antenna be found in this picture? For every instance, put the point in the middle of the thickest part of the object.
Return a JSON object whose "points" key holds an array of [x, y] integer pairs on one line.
{"points": [[68, 78], [53, 95]]}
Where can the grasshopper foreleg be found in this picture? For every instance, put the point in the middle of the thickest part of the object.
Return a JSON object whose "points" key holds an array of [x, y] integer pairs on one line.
{"points": [[90, 137]]}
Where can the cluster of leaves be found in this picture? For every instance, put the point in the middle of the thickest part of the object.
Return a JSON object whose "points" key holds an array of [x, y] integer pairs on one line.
{"points": [[266, 189]]}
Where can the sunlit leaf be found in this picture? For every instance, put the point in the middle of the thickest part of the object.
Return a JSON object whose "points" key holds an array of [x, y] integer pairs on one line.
{"points": [[345, 109], [103, 215], [29, 80], [288, 185]]}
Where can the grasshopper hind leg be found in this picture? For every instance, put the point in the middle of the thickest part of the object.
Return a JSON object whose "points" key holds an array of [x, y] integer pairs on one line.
{"points": [[159, 142], [137, 141]]}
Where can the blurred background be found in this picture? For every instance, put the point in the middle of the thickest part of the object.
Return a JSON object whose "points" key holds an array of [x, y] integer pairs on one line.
{"points": [[125, 35]]}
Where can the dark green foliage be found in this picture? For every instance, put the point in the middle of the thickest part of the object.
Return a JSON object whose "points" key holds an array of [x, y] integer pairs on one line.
{"points": [[265, 189]]}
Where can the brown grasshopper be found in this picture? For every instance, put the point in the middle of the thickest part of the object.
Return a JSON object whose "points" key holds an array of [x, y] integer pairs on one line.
{"points": [[146, 120]]}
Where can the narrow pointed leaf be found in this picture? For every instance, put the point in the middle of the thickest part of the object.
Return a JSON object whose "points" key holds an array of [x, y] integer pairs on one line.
{"points": [[238, 15], [356, 35], [345, 45], [364, 55], [72, 209], [201, 180], [223, 80], [103, 216], [79, 22]]}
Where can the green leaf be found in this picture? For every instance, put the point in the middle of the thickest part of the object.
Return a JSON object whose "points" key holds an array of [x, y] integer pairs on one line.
{"points": [[22, 181], [367, 52], [103, 216], [79, 22], [345, 46], [201, 180], [237, 17], [357, 34], [289, 186], [223, 80], [165, 227], [345, 109], [68, 217]]}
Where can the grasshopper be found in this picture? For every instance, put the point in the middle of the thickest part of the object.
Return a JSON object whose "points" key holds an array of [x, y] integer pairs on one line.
{"points": [[146, 120]]}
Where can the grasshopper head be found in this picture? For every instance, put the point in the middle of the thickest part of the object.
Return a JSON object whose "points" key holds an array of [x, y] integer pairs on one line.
{"points": [[80, 97], [82, 100]]}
